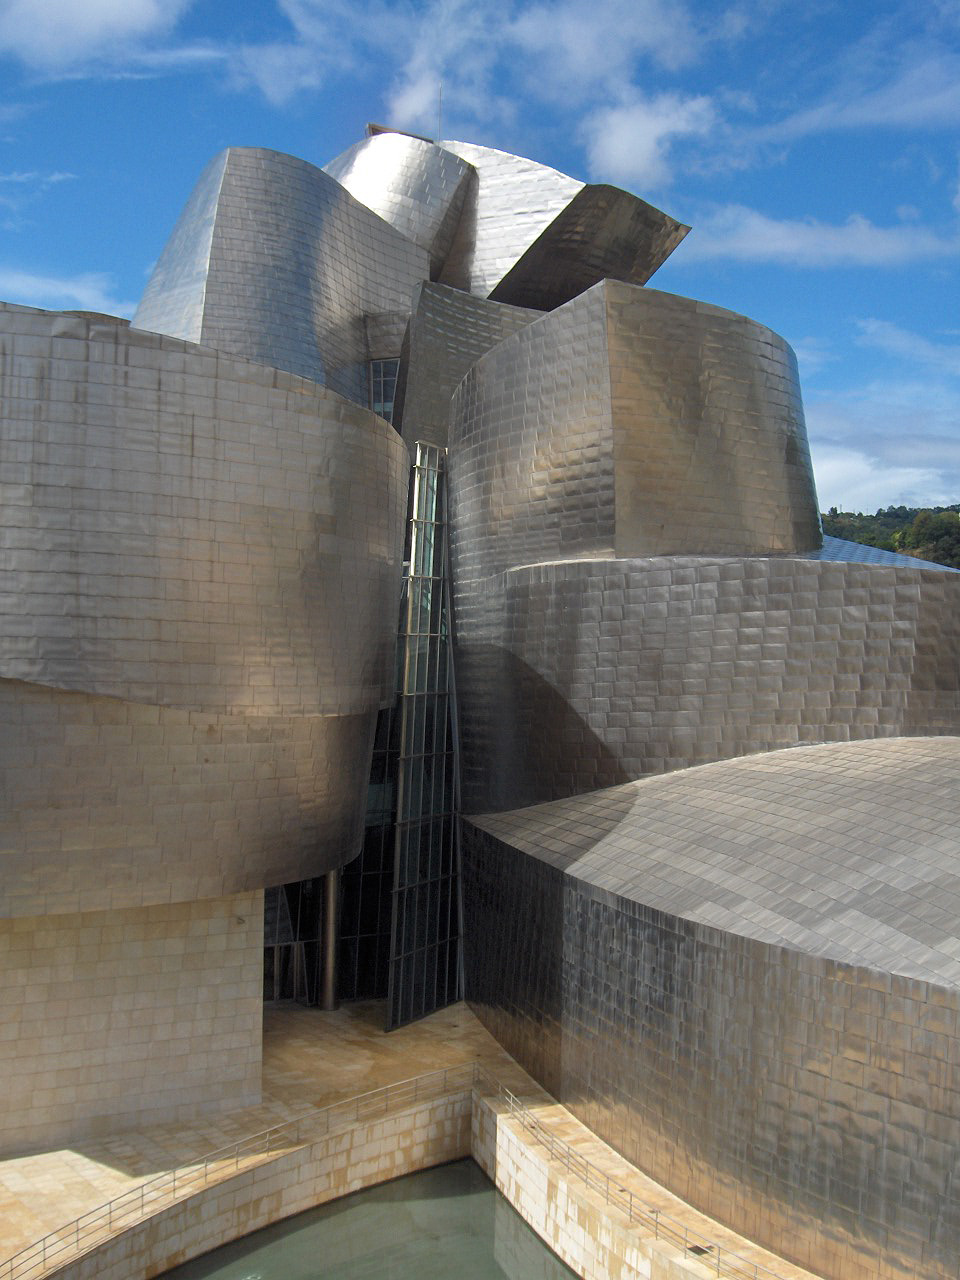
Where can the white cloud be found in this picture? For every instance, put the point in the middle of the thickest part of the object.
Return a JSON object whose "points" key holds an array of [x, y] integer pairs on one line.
{"points": [[853, 481], [813, 354], [54, 34], [886, 442], [944, 357], [279, 71], [573, 46], [90, 291], [631, 143], [456, 42], [924, 92], [19, 188], [741, 234]]}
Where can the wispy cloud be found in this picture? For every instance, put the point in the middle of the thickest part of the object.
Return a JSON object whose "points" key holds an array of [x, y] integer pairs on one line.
{"points": [[59, 34], [813, 355], [853, 481], [90, 291], [885, 442], [922, 92], [740, 234], [20, 188], [942, 357], [581, 46]]}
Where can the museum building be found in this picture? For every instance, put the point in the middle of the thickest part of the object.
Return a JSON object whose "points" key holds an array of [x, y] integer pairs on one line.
{"points": [[410, 602]]}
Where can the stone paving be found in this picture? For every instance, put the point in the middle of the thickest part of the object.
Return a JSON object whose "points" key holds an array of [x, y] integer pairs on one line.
{"points": [[311, 1059]]}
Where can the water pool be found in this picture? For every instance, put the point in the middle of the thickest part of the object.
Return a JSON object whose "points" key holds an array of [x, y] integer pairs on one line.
{"points": [[445, 1222]]}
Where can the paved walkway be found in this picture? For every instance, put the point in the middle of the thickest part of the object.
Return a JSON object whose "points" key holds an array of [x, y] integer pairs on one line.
{"points": [[311, 1059]]}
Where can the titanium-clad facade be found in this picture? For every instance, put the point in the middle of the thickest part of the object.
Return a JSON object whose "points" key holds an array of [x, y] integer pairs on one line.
{"points": [[293, 265], [742, 972], [198, 598], [744, 976], [416, 186], [619, 668], [196, 621], [449, 331]]}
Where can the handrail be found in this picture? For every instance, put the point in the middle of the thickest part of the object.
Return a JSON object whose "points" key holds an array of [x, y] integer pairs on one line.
{"points": [[100, 1224], [722, 1260], [130, 1207]]}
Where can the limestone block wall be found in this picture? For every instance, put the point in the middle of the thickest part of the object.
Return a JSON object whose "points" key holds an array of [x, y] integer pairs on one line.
{"points": [[139, 1015], [347, 1159]]}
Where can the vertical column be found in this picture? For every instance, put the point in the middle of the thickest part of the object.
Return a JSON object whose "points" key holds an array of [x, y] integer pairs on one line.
{"points": [[331, 894]]}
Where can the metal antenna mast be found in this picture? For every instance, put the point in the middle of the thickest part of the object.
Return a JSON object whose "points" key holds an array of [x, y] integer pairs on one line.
{"points": [[439, 110]]}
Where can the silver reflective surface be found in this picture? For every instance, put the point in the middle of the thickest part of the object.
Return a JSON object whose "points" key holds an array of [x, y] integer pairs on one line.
{"points": [[533, 237], [293, 265], [745, 978], [190, 529], [617, 668], [199, 592], [630, 422], [511, 203], [449, 331], [603, 233], [809, 848], [745, 975], [416, 186]]}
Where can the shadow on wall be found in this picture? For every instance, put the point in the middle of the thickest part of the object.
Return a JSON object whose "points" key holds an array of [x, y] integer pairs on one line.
{"points": [[543, 749]]}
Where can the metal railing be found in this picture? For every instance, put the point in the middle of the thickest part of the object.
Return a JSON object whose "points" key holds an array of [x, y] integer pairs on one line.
{"points": [[720, 1259], [126, 1210]]}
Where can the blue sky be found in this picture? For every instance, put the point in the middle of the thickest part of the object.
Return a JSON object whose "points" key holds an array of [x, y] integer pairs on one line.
{"points": [[814, 149]]}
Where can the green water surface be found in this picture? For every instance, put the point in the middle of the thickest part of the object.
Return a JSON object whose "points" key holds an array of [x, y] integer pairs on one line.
{"points": [[445, 1223]]}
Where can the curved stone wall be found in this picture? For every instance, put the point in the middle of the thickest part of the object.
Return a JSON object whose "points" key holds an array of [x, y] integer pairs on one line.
{"points": [[197, 617], [746, 977], [293, 264]]}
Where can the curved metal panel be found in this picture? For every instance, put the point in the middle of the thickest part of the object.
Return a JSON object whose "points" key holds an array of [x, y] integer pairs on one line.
{"points": [[511, 204], [532, 237], [193, 530], [294, 263], [630, 423], [109, 803], [603, 233], [449, 331], [586, 674], [746, 979], [416, 186], [835, 865], [172, 302]]}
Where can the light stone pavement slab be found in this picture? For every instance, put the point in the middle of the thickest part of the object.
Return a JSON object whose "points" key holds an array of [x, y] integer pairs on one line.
{"points": [[313, 1059]]}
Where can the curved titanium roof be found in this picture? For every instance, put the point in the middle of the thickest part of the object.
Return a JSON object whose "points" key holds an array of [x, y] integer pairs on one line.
{"points": [[849, 851]]}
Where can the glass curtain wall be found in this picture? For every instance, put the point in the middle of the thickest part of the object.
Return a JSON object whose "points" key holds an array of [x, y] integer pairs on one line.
{"points": [[399, 900], [292, 929], [425, 968]]}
